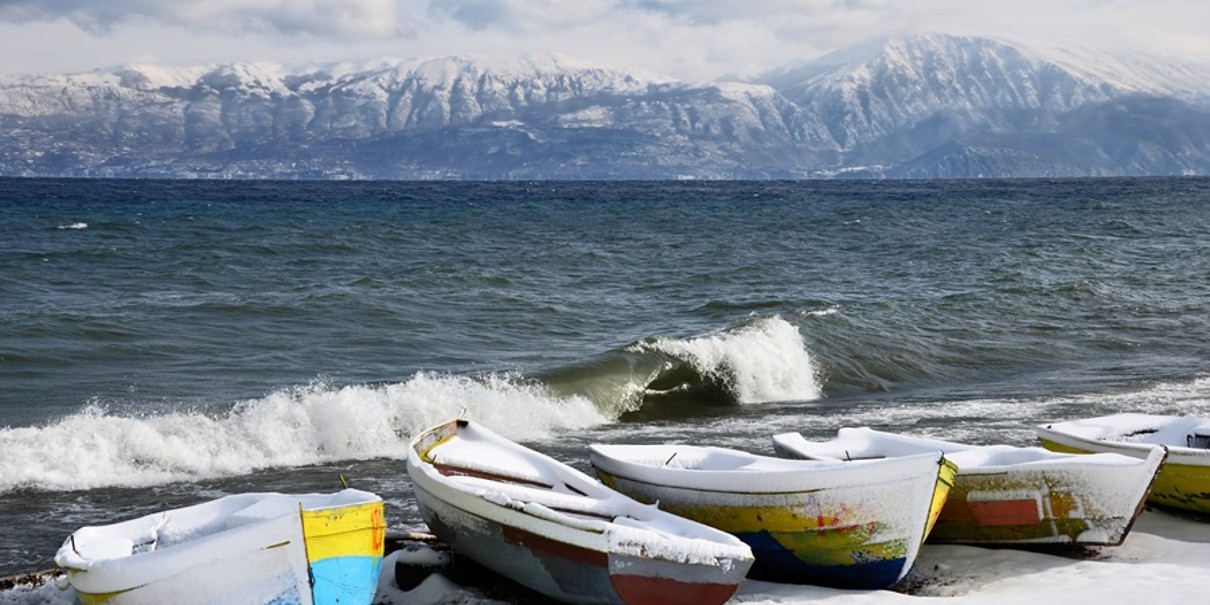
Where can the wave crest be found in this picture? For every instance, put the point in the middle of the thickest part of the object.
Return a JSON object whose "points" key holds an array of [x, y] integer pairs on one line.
{"points": [[307, 425], [762, 360]]}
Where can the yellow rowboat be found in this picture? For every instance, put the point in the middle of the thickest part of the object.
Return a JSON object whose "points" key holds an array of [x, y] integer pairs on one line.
{"points": [[1184, 480], [253, 549], [1008, 496], [558, 531], [850, 525]]}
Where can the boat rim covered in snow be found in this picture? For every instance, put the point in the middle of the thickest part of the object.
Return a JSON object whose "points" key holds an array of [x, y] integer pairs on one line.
{"points": [[1012, 495], [556, 530], [1184, 480], [319, 549], [852, 525], [1187, 438]]}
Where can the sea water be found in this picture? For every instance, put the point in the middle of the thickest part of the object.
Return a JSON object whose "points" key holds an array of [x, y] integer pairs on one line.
{"points": [[166, 342]]}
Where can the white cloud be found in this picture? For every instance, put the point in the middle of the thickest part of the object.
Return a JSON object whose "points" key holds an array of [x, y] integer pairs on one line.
{"points": [[315, 17]]}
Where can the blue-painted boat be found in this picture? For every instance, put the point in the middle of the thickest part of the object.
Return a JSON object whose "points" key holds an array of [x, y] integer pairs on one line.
{"points": [[246, 549]]}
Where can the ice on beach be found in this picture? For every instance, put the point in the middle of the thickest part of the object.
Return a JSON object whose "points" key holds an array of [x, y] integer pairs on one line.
{"points": [[1166, 558]]}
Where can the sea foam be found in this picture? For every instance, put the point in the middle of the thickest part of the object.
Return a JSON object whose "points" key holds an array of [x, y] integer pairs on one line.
{"points": [[762, 361], [306, 425]]}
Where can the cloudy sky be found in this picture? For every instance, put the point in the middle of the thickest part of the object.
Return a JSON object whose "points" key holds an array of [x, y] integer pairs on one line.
{"points": [[691, 39]]}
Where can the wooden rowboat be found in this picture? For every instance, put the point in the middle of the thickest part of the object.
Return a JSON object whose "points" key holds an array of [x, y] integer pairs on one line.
{"points": [[850, 525], [1006, 495], [557, 531], [1184, 480], [254, 549]]}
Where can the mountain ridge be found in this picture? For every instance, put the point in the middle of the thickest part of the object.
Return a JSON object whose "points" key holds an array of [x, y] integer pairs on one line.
{"points": [[924, 106]]}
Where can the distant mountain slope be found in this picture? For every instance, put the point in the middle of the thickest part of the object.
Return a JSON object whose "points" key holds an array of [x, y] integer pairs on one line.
{"points": [[454, 117], [931, 106], [882, 89]]}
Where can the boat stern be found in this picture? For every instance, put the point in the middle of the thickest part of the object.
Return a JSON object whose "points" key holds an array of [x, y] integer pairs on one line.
{"points": [[344, 552]]}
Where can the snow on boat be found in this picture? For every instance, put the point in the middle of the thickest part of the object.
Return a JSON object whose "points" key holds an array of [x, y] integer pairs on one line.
{"points": [[558, 531], [284, 549], [1184, 480], [849, 525], [1005, 495]]}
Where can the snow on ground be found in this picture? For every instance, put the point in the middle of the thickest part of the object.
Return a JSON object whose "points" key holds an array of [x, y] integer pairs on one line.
{"points": [[1165, 559]]}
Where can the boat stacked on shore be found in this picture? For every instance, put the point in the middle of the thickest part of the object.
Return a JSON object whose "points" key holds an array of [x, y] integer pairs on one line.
{"points": [[665, 523]]}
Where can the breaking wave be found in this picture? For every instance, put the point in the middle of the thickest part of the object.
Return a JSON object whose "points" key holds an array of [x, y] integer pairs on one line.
{"points": [[762, 360], [318, 423]]}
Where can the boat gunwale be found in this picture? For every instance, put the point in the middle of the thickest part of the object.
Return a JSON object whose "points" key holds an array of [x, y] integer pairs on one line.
{"points": [[696, 478], [593, 533], [1055, 461], [1177, 454]]}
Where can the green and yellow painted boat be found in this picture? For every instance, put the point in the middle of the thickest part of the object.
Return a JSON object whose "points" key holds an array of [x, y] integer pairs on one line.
{"points": [[1183, 482], [847, 525]]}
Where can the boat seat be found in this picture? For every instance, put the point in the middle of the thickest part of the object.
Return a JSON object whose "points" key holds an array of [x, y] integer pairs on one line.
{"points": [[268, 508], [1199, 436], [110, 548], [563, 500]]}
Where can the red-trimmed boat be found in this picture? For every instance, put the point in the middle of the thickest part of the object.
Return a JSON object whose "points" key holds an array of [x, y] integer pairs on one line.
{"points": [[1011, 496], [559, 532]]}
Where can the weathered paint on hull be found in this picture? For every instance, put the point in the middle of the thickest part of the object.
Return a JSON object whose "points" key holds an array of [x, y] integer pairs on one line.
{"points": [[344, 552], [993, 509], [821, 538], [947, 475], [572, 573], [791, 558], [1178, 485], [1183, 486]]}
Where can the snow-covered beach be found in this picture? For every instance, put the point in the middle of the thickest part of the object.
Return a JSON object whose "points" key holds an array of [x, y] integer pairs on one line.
{"points": [[1165, 558]]}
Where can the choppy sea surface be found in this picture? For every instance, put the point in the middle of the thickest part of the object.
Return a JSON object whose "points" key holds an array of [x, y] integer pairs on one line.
{"points": [[166, 342]]}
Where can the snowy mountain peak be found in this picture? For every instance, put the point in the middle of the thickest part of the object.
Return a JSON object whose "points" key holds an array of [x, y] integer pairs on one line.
{"points": [[447, 72], [941, 57], [915, 105], [151, 77], [877, 88]]}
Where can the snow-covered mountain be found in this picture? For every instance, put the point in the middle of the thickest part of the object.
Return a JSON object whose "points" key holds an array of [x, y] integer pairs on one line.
{"points": [[884, 87], [891, 101], [918, 106]]}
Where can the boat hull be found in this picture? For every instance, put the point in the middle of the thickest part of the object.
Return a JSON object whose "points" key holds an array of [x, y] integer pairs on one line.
{"points": [[1077, 506], [1183, 482], [863, 535], [1010, 496], [569, 572], [558, 532], [325, 556]]}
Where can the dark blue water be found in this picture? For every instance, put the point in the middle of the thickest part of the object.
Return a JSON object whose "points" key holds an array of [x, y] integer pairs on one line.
{"points": [[166, 341]]}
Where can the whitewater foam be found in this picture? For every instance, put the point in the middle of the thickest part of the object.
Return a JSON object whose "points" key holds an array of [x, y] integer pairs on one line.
{"points": [[762, 361], [317, 423], [1009, 421]]}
